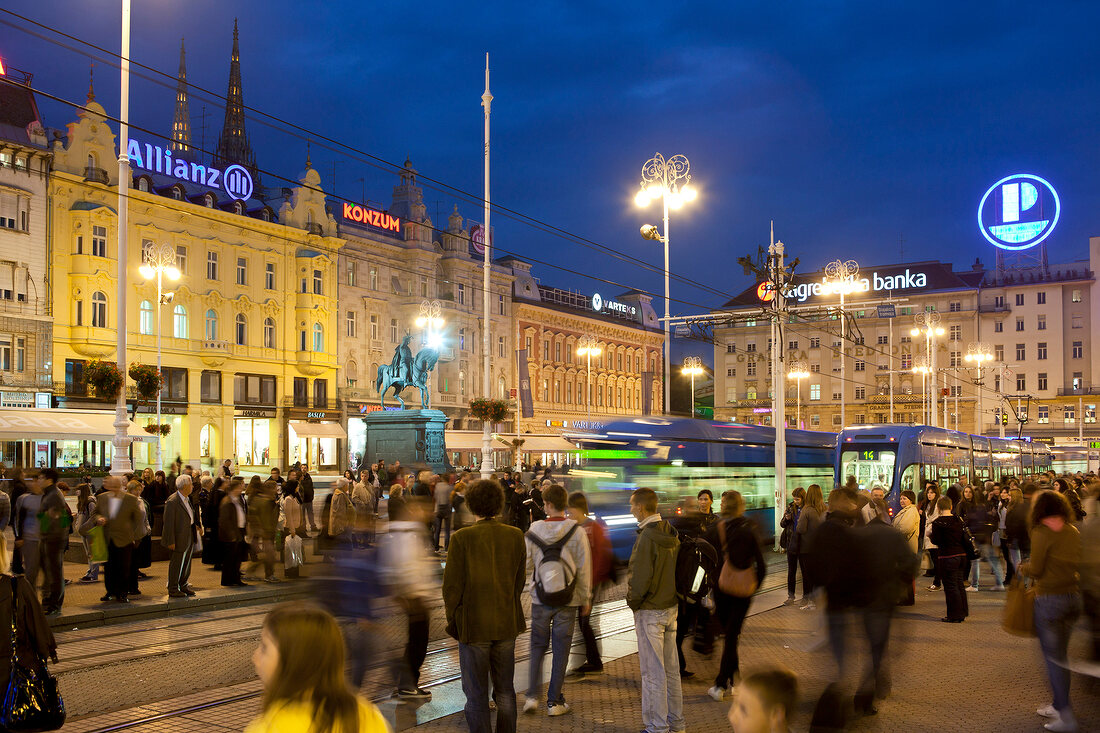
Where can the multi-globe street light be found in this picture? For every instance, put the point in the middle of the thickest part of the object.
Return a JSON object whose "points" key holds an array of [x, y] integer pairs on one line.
{"points": [[798, 372], [840, 278], [668, 180], [693, 365], [159, 261], [588, 347], [923, 370], [928, 324], [979, 355]]}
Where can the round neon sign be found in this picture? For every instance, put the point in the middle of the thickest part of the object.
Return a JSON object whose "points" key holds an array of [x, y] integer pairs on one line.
{"points": [[765, 291], [1018, 212]]}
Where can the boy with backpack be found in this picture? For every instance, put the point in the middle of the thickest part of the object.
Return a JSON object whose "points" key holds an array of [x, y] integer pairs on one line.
{"points": [[561, 585]]}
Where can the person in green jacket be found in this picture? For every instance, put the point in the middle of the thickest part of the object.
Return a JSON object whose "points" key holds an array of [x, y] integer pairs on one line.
{"points": [[485, 573], [651, 595]]}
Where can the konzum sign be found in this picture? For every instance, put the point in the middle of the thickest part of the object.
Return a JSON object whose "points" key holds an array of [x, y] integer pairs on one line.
{"points": [[367, 215]]}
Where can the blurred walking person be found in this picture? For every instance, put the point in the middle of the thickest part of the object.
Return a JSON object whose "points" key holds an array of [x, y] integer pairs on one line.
{"points": [[85, 510], [441, 526], [56, 525], [600, 559], [232, 520], [809, 519], [179, 536], [482, 582], [118, 513]]}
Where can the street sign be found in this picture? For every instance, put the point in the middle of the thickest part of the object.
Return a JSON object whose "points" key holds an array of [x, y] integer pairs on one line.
{"points": [[886, 310]]}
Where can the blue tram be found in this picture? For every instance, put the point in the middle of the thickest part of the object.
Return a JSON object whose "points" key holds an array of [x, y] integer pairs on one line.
{"points": [[677, 458], [904, 457]]}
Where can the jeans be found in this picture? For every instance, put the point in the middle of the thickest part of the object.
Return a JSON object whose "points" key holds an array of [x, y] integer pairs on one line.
{"points": [[731, 612], [442, 521], [807, 575], [876, 624], [1054, 619], [32, 560], [662, 698], [1091, 601], [693, 619], [483, 662], [93, 567], [951, 572], [547, 621], [989, 552], [307, 514], [937, 575], [416, 648], [792, 573], [53, 578], [588, 633]]}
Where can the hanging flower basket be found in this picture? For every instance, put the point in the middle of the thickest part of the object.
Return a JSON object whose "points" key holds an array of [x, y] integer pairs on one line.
{"points": [[490, 411], [148, 379], [104, 377], [163, 429]]}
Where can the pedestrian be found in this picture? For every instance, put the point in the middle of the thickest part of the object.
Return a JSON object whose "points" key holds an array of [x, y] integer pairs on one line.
{"points": [[809, 519], [305, 482], [441, 525], [364, 504], [651, 595], [739, 545], [405, 564], [300, 663], [983, 521], [907, 522], [1090, 564], [1016, 522], [947, 533], [600, 559], [143, 551], [519, 508], [339, 516], [930, 512], [85, 510], [263, 515], [561, 586], [766, 703], [56, 525], [789, 523], [179, 536], [155, 494], [232, 521], [117, 511], [462, 515], [28, 531], [1054, 563], [482, 582]]}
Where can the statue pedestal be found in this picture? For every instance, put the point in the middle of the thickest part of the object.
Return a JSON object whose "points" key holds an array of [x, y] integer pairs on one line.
{"points": [[414, 437]]}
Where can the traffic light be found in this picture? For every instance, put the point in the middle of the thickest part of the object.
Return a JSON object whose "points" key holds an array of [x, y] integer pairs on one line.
{"points": [[1004, 418]]}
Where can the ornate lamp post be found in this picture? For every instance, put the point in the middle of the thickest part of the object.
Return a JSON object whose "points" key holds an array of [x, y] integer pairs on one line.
{"points": [[587, 347], [692, 365], [668, 180], [159, 261], [979, 354], [841, 279], [928, 323], [923, 370], [798, 372], [430, 322]]}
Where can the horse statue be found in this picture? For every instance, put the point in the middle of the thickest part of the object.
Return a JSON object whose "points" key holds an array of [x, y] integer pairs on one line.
{"points": [[422, 364]]}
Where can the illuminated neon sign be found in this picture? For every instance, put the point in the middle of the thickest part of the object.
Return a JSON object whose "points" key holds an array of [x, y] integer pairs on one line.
{"points": [[235, 179], [367, 215], [599, 304], [802, 292], [765, 291], [1018, 212]]}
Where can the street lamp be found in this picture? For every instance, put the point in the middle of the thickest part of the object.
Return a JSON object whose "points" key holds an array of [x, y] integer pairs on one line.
{"points": [[692, 365], [159, 261], [430, 321], [841, 279], [798, 372], [979, 354], [668, 180], [923, 370], [120, 457], [928, 323], [587, 347]]}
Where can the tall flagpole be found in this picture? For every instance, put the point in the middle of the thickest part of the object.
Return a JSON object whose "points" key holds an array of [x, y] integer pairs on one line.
{"points": [[486, 376]]}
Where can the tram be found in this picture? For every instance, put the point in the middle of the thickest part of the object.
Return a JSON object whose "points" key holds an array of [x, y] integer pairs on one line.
{"points": [[1074, 458], [678, 457], [904, 457]]}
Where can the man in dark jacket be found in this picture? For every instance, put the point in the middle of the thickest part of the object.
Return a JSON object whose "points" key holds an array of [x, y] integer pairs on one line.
{"points": [[179, 537], [651, 595], [56, 524], [306, 483], [117, 511], [1016, 521], [485, 573]]}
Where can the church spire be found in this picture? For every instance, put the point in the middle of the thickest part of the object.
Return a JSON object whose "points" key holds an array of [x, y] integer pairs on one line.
{"points": [[233, 146], [181, 124]]}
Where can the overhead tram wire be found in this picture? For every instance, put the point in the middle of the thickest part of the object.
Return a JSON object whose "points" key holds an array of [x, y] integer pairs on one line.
{"points": [[353, 152]]}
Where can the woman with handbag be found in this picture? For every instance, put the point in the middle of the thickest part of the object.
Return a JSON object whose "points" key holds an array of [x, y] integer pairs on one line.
{"points": [[930, 512], [809, 519], [743, 570], [789, 523], [1054, 564], [948, 533], [85, 510]]}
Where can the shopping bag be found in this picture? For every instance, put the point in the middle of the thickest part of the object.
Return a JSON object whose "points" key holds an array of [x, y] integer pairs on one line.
{"points": [[925, 561], [97, 540], [292, 554], [1019, 611]]}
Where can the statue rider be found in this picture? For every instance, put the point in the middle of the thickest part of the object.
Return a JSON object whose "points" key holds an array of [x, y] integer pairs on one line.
{"points": [[401, 366]]}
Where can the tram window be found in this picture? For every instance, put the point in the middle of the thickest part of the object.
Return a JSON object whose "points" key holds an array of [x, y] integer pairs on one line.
{"points": [[871, 467], [909, 478]]}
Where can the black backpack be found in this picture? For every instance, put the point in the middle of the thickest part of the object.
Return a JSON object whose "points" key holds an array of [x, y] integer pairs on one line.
{"points": [[551, 553], [696, 569]]}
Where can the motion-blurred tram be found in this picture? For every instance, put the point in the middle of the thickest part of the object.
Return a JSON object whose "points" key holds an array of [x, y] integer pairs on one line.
{"points": [[904, 457], [678, 458]]}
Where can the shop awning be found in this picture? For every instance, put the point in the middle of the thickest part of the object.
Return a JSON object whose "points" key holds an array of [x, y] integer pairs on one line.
{"points": [[305, 429], [463, 441], [546, 444], [30, 424]]}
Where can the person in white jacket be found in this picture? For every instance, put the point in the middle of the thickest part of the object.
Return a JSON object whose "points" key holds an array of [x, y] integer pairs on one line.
{"points": [[553, 609], [408, 570]]}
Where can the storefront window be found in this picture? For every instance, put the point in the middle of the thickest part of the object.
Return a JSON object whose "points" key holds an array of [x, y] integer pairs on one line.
{"points": [[252, 441]]}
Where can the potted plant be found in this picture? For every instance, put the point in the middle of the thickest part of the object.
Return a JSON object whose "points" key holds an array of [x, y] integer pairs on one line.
{"points": [[148, 379], [162, 428], [489, 410], [104, 377]]}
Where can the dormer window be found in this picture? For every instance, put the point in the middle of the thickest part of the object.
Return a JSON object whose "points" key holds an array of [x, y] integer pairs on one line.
{"points": [[20, 164], [265, 215], [143, 184], [177, 193], [208, 200], [238, 208]]}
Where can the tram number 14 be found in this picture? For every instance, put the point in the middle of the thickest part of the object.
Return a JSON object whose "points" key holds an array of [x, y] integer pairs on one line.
{"points": [[869, 455]]}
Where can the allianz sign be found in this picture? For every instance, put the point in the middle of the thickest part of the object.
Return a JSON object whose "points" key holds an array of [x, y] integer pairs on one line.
{"points": [[235, 179]]}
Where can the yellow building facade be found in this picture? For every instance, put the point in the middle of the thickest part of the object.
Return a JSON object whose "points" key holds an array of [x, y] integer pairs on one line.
{"points": [[248, 341]]}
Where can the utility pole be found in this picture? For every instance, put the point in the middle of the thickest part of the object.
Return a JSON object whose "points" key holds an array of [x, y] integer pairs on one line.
{"points": [[486, 362], [777, 275]]}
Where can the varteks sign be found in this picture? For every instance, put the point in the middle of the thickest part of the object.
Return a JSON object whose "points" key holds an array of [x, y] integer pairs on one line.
{"points": [[235, 180], [599, 305]]}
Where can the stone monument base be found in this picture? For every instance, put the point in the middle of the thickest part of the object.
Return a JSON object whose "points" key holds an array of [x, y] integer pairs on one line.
{"points": [[414, 437]]}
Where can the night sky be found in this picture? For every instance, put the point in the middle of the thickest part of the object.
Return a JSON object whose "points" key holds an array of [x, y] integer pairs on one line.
{"points": [[860, 128]]}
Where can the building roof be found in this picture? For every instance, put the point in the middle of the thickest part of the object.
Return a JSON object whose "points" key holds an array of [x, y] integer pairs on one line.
{"points": [[18, 110]]}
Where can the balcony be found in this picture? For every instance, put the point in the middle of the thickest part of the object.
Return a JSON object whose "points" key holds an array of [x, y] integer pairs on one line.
{"points": [[356, 394], [311, 404], [29, 379], [1079, 391], [445, 399], [313, 363], [216, 346], [96, 175], [993, 308]]}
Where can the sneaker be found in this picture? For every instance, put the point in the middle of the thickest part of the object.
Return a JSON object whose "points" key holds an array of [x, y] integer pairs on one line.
{"points": [[790, 601], [933, 587], [558, 708], [808, 606], [1062, 724], [998, 588], [88, 579], [272, 579], [530, 705], [413, 693], [718, 694], [1047, 711], [972, 589]]}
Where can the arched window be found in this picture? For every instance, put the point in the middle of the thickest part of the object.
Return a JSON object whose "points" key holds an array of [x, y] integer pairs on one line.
{"points": [[242, 329], [99, 310], [143, 184], [352, 373], [177, 193], [318, 337], [502, 388], [209, 200], [269, 333], [179, 322], [237, 208], [92, 162], [372, 375], [145, 317], [265, 215], [211, 325]]}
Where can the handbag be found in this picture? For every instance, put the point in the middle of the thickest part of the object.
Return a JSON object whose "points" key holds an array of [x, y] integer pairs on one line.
{"points": [[292, 554], [97, 541], [970, 546], [925, 561], [1019, 611], [32, 701], [734, 581]]}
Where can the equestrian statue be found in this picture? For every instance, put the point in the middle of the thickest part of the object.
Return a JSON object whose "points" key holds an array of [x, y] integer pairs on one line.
{"points": [[405, 371]]}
